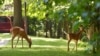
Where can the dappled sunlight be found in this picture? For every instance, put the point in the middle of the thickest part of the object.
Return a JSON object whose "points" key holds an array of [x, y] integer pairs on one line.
{"points": [[45, 39], [47, 47], [41, 51], [5, 35], [4, 41], [43, 46], [50, 43]]}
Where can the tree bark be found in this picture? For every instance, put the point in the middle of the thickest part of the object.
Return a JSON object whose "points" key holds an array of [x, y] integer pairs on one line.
{"points": [[18, 21], [65, 28]]}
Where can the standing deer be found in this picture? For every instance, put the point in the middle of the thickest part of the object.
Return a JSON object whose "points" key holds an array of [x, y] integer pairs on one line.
{"points": [[20, 32], [74, 36]]}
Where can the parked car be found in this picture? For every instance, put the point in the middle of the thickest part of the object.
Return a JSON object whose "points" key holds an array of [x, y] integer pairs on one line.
{"points": [[5, 24]]}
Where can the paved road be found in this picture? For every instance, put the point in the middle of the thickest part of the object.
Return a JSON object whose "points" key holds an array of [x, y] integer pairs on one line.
{"points": [[4, 42]]}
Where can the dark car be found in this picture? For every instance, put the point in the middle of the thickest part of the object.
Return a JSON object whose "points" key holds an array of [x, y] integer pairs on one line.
{"points": [[5, 24]]}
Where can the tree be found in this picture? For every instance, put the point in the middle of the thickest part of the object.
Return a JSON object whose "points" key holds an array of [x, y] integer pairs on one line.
{"points": [[1, 2], [18, 21], [87, 11]]}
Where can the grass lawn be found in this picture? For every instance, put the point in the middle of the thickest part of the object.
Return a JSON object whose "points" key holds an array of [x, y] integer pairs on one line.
{"points": [[43, 47]]}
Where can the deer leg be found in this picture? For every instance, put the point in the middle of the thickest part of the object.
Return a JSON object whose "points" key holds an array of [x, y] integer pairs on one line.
{"points": [[22, 42], [17, 41], [13, 36], [76, 44], [68, 44], [12, 41]]}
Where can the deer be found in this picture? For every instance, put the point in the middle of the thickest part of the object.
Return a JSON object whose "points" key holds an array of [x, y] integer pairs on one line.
{"points": [[21, 33], [74, 36]]}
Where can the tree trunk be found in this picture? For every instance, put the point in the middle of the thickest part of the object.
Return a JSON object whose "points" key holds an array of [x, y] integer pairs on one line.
{"points": [[59, 29], [90, 34], [55, 30], [18, 21], [65, 28]]}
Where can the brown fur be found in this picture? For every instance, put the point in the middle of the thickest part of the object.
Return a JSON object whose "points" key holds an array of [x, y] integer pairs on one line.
{"points": [[20, 32], [74, 36]]}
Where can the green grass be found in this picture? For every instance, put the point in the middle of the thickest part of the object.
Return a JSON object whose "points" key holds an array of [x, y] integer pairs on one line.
{"points": [[39, 52], [5, 35], [43, 47]]}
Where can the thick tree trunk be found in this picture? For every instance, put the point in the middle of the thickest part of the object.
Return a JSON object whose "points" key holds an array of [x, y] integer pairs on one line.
{"points": [[18, 21]]}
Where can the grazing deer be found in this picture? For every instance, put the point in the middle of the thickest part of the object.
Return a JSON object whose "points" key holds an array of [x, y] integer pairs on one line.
{"points": [[74, 36], [20, 32]]}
